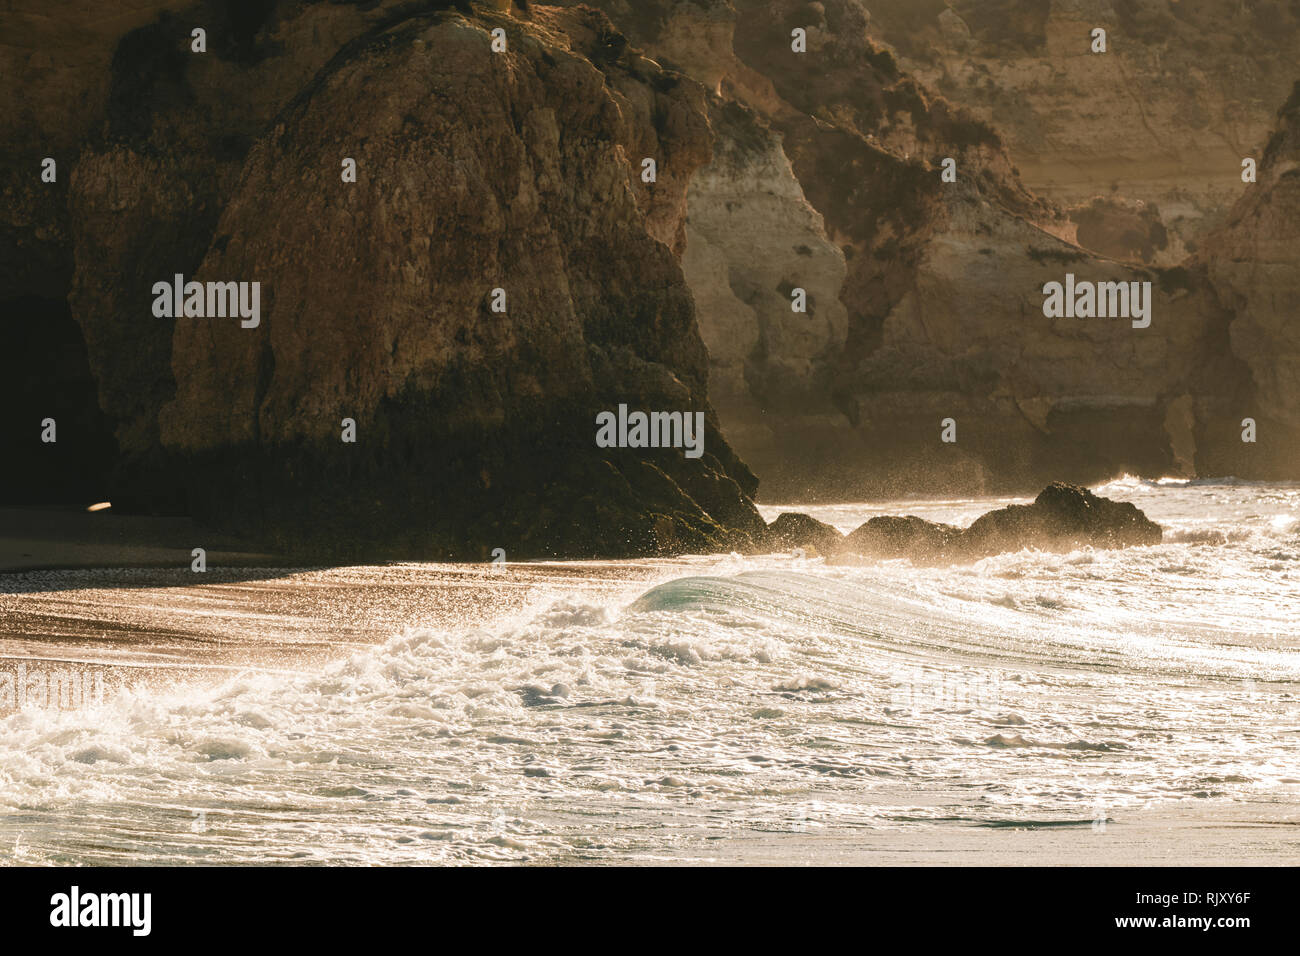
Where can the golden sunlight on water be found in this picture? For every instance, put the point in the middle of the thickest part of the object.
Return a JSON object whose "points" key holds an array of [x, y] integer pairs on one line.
{"points": [[695, 709]]}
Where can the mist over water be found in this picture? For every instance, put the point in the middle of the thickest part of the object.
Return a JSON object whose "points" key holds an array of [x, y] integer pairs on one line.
{"points": [[651, 710]]}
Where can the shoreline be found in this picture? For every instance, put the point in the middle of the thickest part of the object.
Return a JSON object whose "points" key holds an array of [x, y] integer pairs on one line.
{"points": [[1061, 515], [53, 538], [438, 687]]}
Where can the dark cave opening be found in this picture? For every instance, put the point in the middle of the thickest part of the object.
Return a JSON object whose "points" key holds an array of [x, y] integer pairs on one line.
{"points": [[45, 375]]}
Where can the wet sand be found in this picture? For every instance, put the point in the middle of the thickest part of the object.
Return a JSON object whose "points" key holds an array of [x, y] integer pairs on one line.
{"points": [[47, 538]]}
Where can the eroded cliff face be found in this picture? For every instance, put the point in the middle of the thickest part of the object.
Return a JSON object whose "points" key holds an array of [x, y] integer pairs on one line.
{"points": [[777, 171], [942, 290], [1254, 266], [1185, 90], [752, 239], [149, 139], [55, 65], [476, 170]]}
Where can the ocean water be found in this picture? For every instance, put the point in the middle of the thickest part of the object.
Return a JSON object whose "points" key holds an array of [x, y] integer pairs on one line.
{"points": [[1066, 707]]}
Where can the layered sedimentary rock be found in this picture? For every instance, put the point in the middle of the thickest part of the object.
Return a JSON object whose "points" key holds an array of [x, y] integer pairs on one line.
{"points": [[752, 240], [941, 302], [476, 171], [1184, 91], [1253, 264], [922, 361]]}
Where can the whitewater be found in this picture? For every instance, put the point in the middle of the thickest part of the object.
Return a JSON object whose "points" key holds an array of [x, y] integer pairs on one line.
{"points": [[1134, 706]]}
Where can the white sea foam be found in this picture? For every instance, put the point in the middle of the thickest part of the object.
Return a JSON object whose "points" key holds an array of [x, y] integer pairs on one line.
{"points": [[734, 694]]}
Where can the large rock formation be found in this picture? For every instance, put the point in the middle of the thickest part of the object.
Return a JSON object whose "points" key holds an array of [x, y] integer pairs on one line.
{"points": [[940, 306], [477, 170], [777, 170]]}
